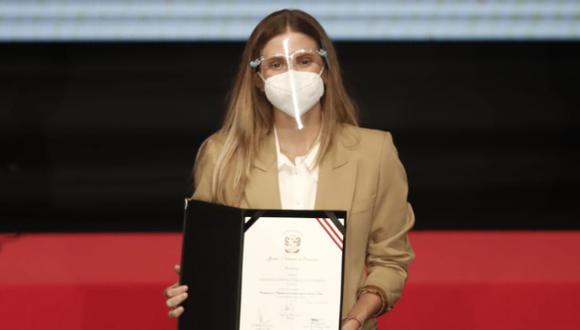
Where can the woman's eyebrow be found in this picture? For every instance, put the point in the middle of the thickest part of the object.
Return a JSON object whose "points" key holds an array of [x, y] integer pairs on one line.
{"points": [[277, 52]]}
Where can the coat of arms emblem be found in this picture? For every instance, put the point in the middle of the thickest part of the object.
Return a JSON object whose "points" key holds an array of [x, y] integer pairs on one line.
{"points": [[292, 242]]}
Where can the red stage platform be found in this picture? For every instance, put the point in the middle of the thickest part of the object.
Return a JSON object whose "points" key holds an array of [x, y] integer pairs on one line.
{"points": [[459, 281]]}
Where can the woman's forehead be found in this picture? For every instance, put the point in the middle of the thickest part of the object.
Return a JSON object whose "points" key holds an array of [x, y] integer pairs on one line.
{"points": [[290, 40]]}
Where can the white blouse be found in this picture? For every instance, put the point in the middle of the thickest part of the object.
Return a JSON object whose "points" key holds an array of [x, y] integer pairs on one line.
{"points": [[298, 181]]}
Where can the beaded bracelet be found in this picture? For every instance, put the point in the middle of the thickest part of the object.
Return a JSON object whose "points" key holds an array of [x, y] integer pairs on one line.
{"points": [[353, 317], [378, 292]]}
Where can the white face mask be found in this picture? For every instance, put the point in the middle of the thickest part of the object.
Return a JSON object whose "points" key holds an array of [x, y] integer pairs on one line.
{"points": [[294, 92]]}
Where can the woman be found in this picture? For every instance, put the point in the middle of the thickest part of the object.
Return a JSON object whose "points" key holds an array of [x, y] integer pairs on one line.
{"points": [[300, 147]]}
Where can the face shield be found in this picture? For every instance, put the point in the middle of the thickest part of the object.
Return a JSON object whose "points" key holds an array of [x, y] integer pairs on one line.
{"points": [[292, 79]]}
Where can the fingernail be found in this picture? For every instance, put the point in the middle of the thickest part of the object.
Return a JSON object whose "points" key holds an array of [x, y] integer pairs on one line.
{"points": [[186, 287]]}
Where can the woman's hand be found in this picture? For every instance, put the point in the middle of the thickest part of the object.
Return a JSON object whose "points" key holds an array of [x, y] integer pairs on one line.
{"points": [[175, 295], [350, 325], [367, 304]]}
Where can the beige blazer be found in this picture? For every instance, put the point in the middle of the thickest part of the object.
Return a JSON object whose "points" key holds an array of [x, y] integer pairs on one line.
{"points": [[361, 174]]}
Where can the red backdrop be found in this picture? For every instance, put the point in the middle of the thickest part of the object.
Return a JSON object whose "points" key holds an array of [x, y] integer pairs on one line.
{"points": [[460, 280]]}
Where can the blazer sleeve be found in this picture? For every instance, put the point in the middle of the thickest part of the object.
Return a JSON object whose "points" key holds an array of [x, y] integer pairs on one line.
{"points": [[205, 161], [389, 252]]}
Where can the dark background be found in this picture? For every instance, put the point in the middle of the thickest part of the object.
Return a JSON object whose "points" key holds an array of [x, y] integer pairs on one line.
{"points": [[102, 136]]}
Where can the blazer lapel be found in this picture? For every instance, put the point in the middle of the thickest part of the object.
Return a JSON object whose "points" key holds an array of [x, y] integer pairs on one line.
{"points": [[337, 176], [336, 179], [262, 190]]}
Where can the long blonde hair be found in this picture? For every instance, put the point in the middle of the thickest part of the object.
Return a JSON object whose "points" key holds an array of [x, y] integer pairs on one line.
{"points": [[249, 115]]}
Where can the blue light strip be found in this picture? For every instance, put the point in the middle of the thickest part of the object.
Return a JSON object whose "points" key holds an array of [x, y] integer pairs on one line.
{"points": [[58, 20]]}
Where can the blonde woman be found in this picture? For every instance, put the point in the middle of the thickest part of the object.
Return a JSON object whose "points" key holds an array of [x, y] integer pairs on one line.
{"points": [[270, 155]]}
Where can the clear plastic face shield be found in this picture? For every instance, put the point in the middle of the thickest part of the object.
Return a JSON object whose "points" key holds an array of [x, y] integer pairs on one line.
{"points": [[292, 78]]}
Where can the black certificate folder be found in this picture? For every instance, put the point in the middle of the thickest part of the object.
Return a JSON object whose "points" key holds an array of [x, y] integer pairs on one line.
{"points": [[251, 269]]}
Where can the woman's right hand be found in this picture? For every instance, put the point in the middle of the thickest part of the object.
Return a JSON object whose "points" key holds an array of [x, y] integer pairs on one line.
{"points": [[175, 295]]}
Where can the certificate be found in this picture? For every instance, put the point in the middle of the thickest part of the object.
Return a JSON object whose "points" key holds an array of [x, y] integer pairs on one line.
{"points": [[253, 269], [292, 271]]}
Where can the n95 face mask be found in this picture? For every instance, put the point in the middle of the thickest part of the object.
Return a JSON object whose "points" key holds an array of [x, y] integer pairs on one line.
{"points": [[294, 92]]}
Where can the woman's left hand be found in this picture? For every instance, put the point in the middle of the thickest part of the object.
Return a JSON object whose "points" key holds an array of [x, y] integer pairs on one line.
{"points": [[350, 325]]}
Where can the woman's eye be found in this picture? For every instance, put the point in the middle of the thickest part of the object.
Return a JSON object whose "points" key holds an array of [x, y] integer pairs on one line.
{"points": [[304, 61], [275, 65]]}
